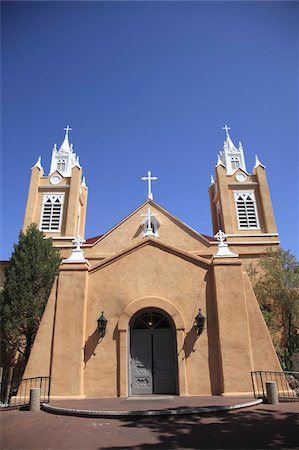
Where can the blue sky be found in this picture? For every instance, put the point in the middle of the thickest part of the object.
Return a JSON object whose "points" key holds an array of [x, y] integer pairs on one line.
{"points": [[148, 86]]}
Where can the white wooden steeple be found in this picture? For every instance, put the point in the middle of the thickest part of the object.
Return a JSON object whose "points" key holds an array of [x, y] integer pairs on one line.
{"points": [[231, 157], [64, 159]]}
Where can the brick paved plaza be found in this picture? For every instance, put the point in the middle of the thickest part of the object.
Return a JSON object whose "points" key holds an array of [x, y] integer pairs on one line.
{"points": [[260, 427]]}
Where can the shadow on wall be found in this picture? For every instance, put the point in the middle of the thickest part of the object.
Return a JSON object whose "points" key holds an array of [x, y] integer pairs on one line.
{"points": [[116, 338], [189, 342], [90, 346]]}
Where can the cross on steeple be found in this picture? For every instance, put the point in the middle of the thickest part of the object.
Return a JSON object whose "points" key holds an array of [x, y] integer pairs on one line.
{"points": [[67, 129], [226, 128], [149, 178]]}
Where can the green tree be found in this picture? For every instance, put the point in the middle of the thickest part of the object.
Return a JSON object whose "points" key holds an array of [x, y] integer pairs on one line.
{"points": [[29, 278], [276, 286]]}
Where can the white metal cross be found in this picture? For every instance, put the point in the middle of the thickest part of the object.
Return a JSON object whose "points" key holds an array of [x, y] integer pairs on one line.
{"points": [[78, 241], [226, 128], [149, 215], [220, 236], [67, 129], [149, 178]]}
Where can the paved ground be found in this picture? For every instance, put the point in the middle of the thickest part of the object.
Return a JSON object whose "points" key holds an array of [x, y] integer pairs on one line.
{"points": [[261, 427]]}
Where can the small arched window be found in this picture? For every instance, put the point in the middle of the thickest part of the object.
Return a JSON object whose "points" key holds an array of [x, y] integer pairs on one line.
{"points": [[151, 320], [61, 164], [235, 162], [154, 225]]}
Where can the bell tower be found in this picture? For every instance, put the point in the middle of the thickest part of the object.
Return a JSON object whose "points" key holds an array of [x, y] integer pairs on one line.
{"points": [[57, 202], [240, 201]]}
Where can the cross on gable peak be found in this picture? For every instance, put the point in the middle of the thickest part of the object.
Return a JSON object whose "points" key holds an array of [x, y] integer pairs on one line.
{"points": [[149, 179]]}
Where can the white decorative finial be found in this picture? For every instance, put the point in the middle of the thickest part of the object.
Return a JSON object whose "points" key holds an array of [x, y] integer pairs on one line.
{"points": [[212, 180], [78, 241], [220, 236], [84, 183], [71, 146], [258, 162], [55, 147], [77, 164], [219, 162], [149, 215], [67, 129], [38, 163], [226, 128], [77, 255], [223, 250], [149, 178]]}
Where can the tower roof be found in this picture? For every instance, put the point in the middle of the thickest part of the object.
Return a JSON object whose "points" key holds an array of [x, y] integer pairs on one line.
{"points": [[64, 159], [231, 157], [228, 143], [65, 146]]}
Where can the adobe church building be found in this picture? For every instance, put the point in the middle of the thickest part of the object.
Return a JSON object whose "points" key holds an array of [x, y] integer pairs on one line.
{"points": [[148, 277]]}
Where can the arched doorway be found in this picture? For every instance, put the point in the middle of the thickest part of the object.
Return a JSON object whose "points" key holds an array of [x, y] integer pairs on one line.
{"points": [[153, 354]]}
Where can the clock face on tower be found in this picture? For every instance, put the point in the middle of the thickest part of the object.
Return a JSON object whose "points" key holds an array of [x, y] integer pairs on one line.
{"points": [[55, 179]]}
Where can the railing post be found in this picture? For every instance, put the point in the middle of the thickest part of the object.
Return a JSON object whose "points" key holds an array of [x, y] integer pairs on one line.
{"points": [[272, 394], [34, 402], [262, 384], [253, 383], [9, 380], [1, 380]]}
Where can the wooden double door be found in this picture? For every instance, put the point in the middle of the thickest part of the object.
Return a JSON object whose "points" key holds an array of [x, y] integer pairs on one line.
{"points": [[153, 361]]}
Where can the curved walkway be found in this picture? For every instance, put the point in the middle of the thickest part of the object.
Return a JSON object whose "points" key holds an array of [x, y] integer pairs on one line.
{"points": [[147, 406]]}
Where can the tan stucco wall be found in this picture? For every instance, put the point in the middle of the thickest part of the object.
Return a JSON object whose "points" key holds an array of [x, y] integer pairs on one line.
{"points": [[147, 272], [259, 333], [234, 342]]}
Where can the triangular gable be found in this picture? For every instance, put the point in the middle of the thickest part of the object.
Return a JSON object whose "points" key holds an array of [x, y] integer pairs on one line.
{"points": [[57, 172], [197, 260], [130, 230]]}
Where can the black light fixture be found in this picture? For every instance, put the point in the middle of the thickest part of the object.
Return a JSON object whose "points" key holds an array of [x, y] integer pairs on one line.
{"points": [[102, 324], [200, 322]]}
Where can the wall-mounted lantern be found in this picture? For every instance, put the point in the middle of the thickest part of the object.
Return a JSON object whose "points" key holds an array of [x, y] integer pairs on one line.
{"points": [[200, 322], [102, 324]]}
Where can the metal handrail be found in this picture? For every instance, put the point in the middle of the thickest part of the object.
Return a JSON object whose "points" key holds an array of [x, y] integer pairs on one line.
{"points": [[287, 384], [17, 392]]}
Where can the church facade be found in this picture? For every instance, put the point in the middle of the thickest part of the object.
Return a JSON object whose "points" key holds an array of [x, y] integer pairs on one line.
{"points": [[152, 306]]}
